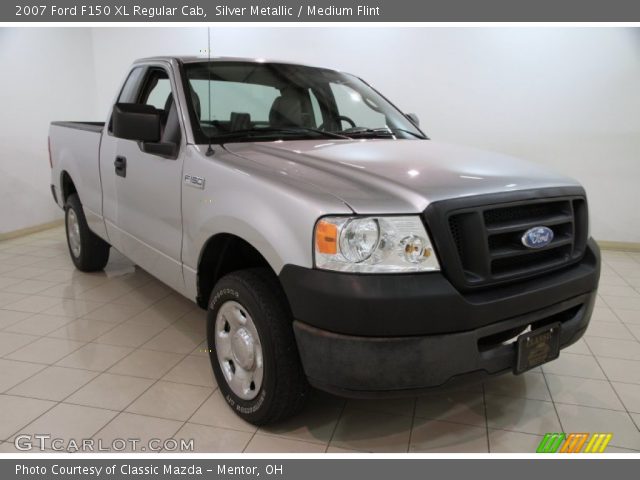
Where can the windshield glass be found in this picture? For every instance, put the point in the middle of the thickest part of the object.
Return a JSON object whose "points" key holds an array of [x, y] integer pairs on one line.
{"points": [[267, 101]]}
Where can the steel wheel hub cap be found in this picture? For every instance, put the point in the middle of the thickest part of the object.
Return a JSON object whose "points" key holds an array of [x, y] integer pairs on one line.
{"points": [[73, 232], [242, 348], [238, 349]]}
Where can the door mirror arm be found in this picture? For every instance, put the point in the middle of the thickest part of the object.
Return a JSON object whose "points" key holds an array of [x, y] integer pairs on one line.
{"points": [[162, 149]]}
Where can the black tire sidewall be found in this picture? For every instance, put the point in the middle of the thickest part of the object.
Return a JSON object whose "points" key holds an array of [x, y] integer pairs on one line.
{"points": [[229, 289]]}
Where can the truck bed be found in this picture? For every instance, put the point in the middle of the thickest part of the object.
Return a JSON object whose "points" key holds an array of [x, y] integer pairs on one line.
{"points": [[88, 126], [75, 151]]}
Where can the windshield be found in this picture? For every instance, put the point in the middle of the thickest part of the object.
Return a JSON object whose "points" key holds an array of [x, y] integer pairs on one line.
{"points": [[268, 101]]}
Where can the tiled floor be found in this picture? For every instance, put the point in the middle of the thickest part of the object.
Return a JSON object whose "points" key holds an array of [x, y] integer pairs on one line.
{"points": [[118, 355]]}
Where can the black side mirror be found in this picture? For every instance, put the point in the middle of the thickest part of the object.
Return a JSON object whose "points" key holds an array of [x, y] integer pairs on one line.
{"points": [[132, 121], [414, 119]]}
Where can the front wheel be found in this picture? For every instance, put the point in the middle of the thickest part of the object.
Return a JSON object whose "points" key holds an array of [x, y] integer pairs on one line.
{"points": [[252, 348], [89, 252]]}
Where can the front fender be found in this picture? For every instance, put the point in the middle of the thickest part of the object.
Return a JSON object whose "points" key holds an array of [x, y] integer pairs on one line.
{"points": [[273, 213]]}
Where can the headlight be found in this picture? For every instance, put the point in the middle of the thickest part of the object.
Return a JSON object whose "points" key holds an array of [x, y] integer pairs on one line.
{"points": [[373, 245]]}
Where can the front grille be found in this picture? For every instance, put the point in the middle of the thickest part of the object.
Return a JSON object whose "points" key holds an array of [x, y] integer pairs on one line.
{"points": [[482, 244]]}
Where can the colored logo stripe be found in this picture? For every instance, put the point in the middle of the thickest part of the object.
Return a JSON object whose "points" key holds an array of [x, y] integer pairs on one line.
{"points": [[574, 442], [550, 443], [598, 443]]}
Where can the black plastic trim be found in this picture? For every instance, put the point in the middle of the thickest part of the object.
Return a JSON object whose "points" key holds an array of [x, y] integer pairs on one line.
{"points": [[96, 127], [356, 366], [425, 303]]}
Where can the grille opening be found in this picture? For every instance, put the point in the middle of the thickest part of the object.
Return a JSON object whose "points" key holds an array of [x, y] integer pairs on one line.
{"points": [[509, 336], [531, 262], [532, 212], [456, 233]]}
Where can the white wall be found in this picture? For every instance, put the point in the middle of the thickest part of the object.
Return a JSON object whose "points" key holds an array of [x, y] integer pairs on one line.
{"points": [[47, 74], [567, 98]]}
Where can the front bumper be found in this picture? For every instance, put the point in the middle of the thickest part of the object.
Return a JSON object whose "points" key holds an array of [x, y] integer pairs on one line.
{"points": [[385, 335]]}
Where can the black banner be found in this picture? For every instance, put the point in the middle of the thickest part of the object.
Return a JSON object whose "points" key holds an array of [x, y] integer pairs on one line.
{"points": [[317, 469], [320, 11]]}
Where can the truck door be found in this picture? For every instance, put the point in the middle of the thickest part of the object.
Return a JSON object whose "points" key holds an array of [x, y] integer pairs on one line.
{"points": [[141, 190]]}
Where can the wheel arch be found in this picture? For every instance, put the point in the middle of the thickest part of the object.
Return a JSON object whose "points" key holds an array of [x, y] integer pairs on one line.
{"points": [[67, 186], [224, 253]]}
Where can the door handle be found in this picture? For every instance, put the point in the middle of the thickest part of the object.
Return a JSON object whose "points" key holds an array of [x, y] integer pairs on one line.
{"points": [[121, 166]]}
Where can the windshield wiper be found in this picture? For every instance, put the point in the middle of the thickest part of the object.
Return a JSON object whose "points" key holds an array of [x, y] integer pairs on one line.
{"points": [[271, 131], [382, 132]]}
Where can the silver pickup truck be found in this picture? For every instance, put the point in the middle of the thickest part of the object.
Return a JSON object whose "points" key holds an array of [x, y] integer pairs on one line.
{"points": [[331, 242]]}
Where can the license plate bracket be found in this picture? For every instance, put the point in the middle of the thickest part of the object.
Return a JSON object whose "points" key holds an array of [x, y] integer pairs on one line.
{"points": [[537, 347]]}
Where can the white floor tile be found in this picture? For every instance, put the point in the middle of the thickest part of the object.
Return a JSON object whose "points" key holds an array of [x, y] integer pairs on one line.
{"points": [[630, 395], [113, 392], [45, 350], [69, 422], [95, 357], [521, 415], [268, 444], [583, 391], [528, 385], [619, 370], [12, 373], [586, 419], [457, 407], [53, 383], [503, 441], [16, 412], [575, 365], [433, 436], [613, 348], [372, 432], [214, 440], [175, 401]]}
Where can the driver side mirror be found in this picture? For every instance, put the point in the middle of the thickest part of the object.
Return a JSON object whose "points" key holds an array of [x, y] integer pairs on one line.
{"points": [[413, 118], [132, 121]]}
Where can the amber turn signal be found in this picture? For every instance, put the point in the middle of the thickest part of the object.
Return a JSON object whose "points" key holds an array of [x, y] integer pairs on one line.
{"points": [[326, 238]]}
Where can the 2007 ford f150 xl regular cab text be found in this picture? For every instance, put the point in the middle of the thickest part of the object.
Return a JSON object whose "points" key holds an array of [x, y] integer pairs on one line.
{"points": [[330, 241]]}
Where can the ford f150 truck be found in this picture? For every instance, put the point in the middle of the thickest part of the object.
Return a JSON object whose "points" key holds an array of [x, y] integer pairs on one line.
{"points": [[331, 242]]}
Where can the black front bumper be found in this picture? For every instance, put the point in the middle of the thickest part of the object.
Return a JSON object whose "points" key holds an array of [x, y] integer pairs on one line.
{"points": [[365, 335]]}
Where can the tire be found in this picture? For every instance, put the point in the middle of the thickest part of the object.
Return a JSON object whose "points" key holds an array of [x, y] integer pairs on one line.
{"points": [[88, 252], [255, 297]]}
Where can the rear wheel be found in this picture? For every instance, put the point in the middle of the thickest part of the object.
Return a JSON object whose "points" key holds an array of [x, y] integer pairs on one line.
{"points": [[89, 252], [252, 347]]}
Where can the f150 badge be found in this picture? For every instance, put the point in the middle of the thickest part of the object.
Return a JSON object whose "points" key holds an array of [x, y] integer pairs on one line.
{"points": [[537, 237], [193, 181]]}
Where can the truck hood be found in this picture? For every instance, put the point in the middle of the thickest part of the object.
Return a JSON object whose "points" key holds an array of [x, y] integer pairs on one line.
{"points": [[397, 176]]}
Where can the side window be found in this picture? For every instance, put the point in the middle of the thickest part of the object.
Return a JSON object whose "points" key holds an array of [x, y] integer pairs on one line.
{"points": [[158, 96], [130, 87], [157, 89], [351, 104]]}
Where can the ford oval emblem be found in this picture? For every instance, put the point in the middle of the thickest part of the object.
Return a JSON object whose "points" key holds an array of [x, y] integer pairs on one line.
{"points": [[537, 237]]}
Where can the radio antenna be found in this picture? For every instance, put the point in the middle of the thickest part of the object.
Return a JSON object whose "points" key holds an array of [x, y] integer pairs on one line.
{"points": [[210, 149]]}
